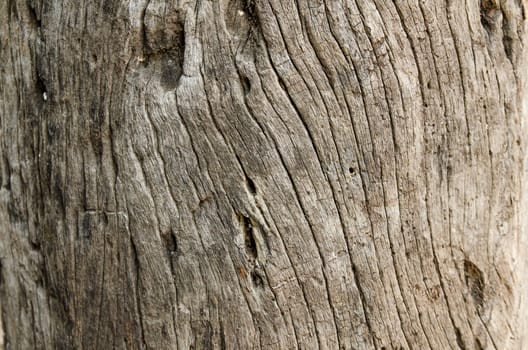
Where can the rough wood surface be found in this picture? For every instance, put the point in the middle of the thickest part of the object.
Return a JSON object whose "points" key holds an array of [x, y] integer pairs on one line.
{"points": [[263, 174]]}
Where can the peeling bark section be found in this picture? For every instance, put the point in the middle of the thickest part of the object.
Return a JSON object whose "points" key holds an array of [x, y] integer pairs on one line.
{"points": [[263, 174]]}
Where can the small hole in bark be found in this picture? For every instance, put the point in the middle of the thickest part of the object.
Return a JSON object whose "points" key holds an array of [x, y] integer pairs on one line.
{"points": [[508, 33], [12, 9], [250, 10], [170, 243], [507, 41], [41, 88], [35, 245], [459, 339], [251, 186], [486, 22], [258, 281], [5, 176], [352, 171], [171, 71], [35, 20], [475, 282], [174, 245], [249, 238], [488, 15], [282, 85], [246, 84]]}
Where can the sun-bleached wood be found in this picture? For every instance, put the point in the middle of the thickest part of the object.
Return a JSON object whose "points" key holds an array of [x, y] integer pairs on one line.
{"points": [[263, 174]]}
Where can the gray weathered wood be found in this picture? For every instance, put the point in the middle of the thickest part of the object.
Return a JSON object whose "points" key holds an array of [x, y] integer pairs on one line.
{"points": [[263, 174]]}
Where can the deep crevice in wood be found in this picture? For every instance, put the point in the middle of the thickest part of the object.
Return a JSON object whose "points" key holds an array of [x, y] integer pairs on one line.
{"points": [[257, 278], [171, 243], [507, 39], [5, 173], [34, 17], [41, 86], [250, 8], [251, 186], [489, 16], [246, 84], [459, 339], [12, 8], [249, 238], [478, 344]]}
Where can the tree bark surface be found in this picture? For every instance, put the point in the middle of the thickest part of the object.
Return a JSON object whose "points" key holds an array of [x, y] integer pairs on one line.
{"points": [[263, 174]]}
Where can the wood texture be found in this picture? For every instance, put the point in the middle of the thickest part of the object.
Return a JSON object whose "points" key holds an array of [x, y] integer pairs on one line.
{"points": [[263, 174]]}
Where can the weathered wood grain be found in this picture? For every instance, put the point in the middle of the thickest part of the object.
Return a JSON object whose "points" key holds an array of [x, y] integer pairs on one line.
{"points": [[263, 174]]}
